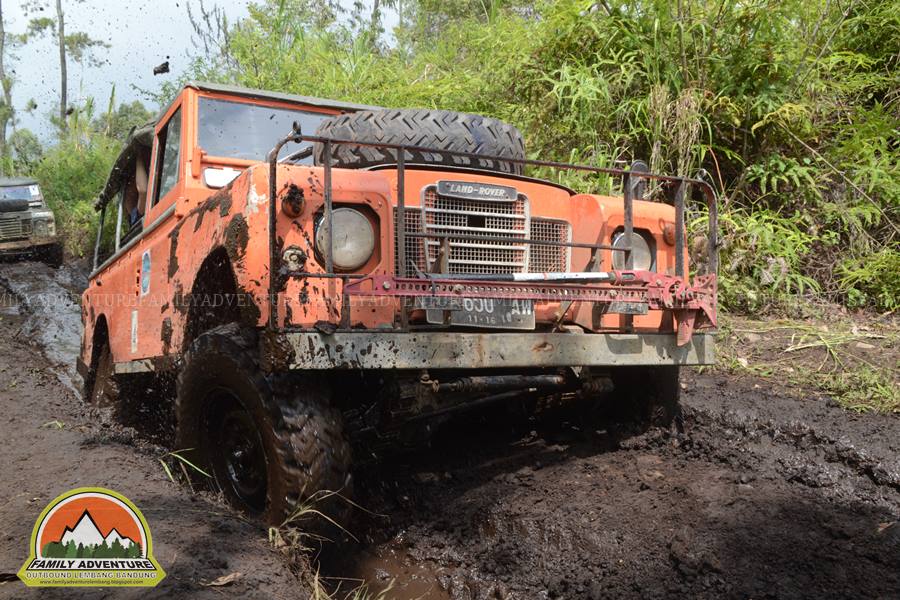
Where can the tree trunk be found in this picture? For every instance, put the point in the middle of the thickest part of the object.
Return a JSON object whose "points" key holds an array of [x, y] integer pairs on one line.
{"points": [[6, 111], [63, 77]]}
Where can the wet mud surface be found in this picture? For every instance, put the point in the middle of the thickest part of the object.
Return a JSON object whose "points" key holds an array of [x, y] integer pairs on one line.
{"points": [[766, 494], [763, 496], [51, 444]]}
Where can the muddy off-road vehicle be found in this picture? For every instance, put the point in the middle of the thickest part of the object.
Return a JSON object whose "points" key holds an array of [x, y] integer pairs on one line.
{"points": [[318, 276], [27, 225]]}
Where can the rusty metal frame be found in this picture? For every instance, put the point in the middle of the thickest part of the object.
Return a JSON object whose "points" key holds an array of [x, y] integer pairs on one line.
{"points": [[315, 351], [651, 282]]}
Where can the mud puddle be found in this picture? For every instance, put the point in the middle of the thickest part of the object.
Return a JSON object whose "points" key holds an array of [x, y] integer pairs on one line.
{"points": [[48, 298]]}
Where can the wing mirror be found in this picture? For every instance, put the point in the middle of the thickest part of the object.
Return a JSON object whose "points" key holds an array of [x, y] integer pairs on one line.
{"points": [[219, 177]]}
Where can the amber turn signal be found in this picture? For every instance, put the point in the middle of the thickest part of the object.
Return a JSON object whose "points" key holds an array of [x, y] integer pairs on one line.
{"points": [[292, 202], [669, 233]]}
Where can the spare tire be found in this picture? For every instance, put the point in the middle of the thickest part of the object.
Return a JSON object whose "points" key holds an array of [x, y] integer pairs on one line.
{"points": [[445, 131]]}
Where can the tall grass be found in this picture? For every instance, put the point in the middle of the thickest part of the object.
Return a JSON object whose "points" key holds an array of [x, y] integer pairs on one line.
{"points": [[72, 173]]}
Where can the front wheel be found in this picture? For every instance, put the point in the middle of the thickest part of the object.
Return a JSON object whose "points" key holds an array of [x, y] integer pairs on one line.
{"points": [[272, 444]]}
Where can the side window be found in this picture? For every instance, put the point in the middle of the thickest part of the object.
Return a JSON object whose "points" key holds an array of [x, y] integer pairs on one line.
{"points": [[170, 156]]}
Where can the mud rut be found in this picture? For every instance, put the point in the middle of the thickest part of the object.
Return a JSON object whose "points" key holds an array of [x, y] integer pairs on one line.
{"points": [[765, 495]]}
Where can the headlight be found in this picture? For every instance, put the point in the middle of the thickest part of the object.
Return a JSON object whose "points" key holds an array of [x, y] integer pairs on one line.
{"points": [[44, 227], [354, 239], [640, 252]]}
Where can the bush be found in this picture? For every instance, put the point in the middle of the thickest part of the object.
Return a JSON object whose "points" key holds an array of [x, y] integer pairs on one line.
{"points": [[791, 106], [872, 279], [71, 175]]}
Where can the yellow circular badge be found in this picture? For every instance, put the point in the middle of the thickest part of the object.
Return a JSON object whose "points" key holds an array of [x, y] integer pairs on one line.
{"points": [[91, 537]]}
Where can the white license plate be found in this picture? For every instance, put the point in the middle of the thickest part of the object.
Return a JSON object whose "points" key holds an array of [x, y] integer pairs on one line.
{"points": [[481, 312]]}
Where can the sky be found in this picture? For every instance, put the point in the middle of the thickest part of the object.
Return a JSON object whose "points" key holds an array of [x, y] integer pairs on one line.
{"points": [[140, 33]]}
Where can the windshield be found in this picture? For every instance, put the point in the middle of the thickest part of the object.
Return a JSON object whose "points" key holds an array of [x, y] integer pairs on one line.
{"points": [[250, 131], [19, 192]]}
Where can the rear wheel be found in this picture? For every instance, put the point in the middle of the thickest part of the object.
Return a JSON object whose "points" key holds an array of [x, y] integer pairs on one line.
{"points": [[272, 444], [100, 387]]}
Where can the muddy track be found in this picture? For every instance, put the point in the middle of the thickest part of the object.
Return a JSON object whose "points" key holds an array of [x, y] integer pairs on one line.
{"points": [[51, 444], [765, 494]]}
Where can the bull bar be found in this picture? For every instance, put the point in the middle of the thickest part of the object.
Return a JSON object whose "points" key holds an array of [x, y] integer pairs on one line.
{"points": [[628, 291]]}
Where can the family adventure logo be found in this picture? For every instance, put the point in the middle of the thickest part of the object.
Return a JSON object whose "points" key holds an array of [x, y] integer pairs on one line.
{"points": [[91, 537]]}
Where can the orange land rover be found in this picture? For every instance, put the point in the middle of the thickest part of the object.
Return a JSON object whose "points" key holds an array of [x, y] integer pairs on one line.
{"points": [[316, 275]]}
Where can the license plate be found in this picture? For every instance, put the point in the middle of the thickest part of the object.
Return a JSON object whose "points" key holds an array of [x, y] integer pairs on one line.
{"points": [[481, 312]]}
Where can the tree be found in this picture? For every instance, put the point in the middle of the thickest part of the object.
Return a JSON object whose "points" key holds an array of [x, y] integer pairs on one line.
{"points": [[8, 41], [79, 45], [26, 151], [118, 123], [134, 550], [53, 550]]}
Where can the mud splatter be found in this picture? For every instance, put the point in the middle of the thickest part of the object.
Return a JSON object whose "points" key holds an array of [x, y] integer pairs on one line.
{"points": [[166, 335], [237, 236], [293, 200]]}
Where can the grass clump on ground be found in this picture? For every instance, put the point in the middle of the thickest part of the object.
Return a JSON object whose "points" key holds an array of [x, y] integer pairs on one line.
{"points": [[858, 365]]}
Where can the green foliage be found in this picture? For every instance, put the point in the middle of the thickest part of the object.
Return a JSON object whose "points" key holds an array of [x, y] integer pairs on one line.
{"points": [[71, 175], [872, 279], [792, 106], [26, 151], [865, 389], [119, 123], [761, 257]]}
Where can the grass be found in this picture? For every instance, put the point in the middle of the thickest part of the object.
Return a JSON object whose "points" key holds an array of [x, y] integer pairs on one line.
{"points": [[858, 366], [183, 463], [293, 540]]}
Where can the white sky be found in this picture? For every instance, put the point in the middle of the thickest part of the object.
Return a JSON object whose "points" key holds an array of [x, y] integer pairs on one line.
{"points": [[141, 34]]}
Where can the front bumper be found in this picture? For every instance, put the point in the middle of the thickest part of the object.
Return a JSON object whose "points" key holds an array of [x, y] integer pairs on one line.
{"points": [[23, 246], [451, 350]]}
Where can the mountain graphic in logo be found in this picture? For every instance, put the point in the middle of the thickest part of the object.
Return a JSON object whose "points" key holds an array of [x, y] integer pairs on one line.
{"points": [[86, 541]]}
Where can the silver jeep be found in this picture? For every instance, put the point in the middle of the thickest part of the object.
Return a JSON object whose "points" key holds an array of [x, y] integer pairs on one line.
{"points": [[27, 225]]}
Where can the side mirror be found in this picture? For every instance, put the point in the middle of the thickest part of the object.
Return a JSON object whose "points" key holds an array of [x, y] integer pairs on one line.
{"points": [[216, 178]]}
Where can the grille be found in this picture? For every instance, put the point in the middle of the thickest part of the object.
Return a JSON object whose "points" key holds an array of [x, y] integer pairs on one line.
{"points": [[415, 253], [12, 228], [549, 259], [503, 219]]}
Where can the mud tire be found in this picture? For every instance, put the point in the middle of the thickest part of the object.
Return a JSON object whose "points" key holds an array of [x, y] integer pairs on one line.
{"points": [[443, 130], [649, 396], [301, 434]]}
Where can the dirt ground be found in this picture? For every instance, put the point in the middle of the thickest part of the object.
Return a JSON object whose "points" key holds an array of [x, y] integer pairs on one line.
{"points": [[767, 494]]}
